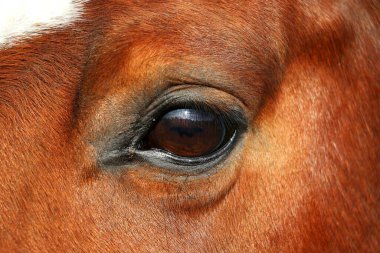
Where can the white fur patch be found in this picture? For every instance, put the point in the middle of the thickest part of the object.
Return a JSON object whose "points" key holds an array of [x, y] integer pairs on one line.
{"points": [[20, 19]]}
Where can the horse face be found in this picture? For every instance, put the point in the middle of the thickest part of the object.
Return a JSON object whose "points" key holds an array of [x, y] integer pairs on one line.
{"points": [[199, 126]]}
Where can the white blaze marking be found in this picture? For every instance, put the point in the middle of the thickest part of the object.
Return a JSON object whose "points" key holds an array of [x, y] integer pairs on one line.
{"points": [[24, 18]]}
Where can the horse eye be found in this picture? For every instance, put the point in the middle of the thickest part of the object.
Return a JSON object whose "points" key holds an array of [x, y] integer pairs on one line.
{"points": [[188, 133]]}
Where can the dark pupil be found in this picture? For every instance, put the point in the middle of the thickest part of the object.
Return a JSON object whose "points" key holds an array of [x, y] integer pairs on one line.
{"points": [[188, 132]]}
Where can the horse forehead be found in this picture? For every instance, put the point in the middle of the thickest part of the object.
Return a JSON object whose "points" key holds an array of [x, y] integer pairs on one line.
{"points": [[20, 19]]}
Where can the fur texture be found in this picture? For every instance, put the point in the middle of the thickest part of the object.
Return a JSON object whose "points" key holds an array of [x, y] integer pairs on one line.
{"points": [[304, 177]]}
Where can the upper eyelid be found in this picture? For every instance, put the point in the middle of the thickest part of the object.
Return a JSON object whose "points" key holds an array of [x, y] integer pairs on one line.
{"points": [[175, 93], [171, 98], [150, 117], [192, 81]]}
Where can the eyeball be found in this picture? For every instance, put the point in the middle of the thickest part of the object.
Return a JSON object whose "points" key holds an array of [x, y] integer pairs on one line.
{"points": [[188, 133]]}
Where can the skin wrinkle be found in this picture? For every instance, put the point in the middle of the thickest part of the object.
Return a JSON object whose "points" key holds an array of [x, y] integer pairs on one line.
{"points": [[304, 177]]}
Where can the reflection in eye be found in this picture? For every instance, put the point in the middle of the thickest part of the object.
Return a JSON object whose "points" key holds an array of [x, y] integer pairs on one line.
{"points": [[188, 133]]}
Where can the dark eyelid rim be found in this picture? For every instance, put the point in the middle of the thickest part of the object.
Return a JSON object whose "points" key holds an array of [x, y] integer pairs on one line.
{"points": [[184, 165]]}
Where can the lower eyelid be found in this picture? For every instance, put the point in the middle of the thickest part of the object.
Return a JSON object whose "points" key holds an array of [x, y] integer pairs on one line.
{"points": [[185, 165]]}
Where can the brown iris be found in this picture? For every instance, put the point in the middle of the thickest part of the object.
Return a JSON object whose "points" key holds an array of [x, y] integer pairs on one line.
{"points": [[188, 133]]}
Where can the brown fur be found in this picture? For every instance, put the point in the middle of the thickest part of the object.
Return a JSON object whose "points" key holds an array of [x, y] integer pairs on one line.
{"points": [[305, 177]]}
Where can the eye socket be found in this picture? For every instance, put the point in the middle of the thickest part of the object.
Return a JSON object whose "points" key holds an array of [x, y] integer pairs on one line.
{"points": [[181, 132], [188, 133]]}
